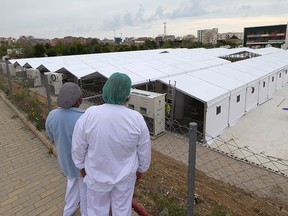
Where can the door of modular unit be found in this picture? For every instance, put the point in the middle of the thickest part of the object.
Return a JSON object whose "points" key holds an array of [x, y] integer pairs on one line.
{"points": [[252, 93], [279, 79], [285, 76], [237, 106], [271, 85], [263, 90], [216, 119]]}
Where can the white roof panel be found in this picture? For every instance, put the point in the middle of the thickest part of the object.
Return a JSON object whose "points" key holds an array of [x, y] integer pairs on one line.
{"points": [[109, 70], [145, 71], [266, 50], [79, 70], [262, 64], [198, 88], [235, 73], [248, 68], [220, 80]]}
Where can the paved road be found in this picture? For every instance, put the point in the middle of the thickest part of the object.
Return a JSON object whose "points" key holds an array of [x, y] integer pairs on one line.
{"points": [[31, 182]]}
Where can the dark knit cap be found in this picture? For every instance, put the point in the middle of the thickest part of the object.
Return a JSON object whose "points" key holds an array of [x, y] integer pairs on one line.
{"points": [[69, 94]]}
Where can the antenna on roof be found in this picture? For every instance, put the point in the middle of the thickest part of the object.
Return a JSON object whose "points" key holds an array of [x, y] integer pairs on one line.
{"points": [[164, 28]]}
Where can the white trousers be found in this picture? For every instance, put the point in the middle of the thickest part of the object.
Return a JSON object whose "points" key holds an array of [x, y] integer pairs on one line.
{"points": [[119, 199], [76, 192]]}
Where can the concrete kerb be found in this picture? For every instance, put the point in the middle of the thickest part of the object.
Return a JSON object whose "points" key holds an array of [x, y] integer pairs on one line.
{"points": [[44, 139]]}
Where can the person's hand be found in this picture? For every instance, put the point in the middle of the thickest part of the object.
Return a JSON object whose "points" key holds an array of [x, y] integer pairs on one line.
{"points": [[82, 172], [138, 175]]}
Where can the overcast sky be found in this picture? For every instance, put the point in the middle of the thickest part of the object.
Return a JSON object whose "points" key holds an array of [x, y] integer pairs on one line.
{"points": [[107, 18]]}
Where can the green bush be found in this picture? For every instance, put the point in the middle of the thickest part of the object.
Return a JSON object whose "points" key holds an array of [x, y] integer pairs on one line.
{"points": [[4, 85], [30, 105]]}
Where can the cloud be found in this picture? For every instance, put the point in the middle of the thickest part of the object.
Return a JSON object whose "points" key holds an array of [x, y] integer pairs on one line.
{"points": [[93, 18], [192, 9], [143, 16]]}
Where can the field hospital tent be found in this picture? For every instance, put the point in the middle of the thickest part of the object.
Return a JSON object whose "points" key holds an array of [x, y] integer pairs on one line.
{"points": [[223, 91], [268, 67], [215, 101], [277, 66], [237, 89], [257, 92]]}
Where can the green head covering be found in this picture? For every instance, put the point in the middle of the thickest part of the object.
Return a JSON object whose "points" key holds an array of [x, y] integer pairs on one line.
{"points": [[117, 88]]}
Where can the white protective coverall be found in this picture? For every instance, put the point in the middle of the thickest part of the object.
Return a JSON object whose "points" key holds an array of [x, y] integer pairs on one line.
{"points": [[112, 143]]}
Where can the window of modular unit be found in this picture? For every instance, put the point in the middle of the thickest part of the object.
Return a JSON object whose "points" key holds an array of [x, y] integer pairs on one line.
{"points": [[252, 90], [264, 84], [238, 98], [273, 79], [218, 110], [279, 75]]}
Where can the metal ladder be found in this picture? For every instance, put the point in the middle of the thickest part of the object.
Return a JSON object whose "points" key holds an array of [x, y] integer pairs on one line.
{"points": [[170, 99]]}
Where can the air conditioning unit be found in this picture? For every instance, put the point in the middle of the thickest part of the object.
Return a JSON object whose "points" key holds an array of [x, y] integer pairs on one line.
{"points": [[21, 72], [12, 70], [55, 82], [2, 67], [34, 76], [152, 106]]}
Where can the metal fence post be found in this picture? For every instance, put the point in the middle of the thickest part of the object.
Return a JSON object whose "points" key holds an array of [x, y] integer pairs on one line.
{"points": [[9, 77], [47, 92], [191, 167]]}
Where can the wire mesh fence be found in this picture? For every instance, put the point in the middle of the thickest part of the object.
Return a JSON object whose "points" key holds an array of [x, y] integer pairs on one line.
{"points": [[226, 161]]}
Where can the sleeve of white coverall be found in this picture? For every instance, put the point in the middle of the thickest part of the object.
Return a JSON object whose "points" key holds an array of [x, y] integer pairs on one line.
{"points": [[79, 144], [144, 149]]}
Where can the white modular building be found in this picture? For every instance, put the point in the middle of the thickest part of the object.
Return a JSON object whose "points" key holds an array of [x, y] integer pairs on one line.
{"points": [[237, 90], [209, 89]]}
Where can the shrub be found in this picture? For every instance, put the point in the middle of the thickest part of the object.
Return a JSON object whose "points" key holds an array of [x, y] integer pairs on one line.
{"points": [[30, 105]]}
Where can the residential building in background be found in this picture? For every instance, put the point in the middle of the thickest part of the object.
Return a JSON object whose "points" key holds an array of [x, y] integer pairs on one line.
{"points": [[7, 41], [261, 36], [229, 35], [32, 40], [207, 36], [70, 40]]}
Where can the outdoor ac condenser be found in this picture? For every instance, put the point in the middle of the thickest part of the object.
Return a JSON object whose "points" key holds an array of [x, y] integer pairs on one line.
{"points": [[12, 70], [55, 82], [34, 75], [2, 67], [152, 106]]}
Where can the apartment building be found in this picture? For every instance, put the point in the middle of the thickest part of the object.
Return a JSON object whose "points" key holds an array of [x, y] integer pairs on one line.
{"points": [[261, 36], [207, 35]]}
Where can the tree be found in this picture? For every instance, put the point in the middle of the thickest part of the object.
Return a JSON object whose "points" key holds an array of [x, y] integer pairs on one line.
{"points": [[39, 50], [59, 48], [234, 37], [28, 51], [148, 44], [166, 44]]}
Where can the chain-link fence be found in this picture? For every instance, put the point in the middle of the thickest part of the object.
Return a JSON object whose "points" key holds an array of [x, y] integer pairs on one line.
{"points": [[222, 160]]}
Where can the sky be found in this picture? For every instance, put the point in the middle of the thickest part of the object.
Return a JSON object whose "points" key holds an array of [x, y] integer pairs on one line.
{"points": [[108, 19]]}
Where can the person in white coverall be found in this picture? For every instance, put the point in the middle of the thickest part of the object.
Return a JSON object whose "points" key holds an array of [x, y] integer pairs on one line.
{"points": [[112, 143], [59, 125]]}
